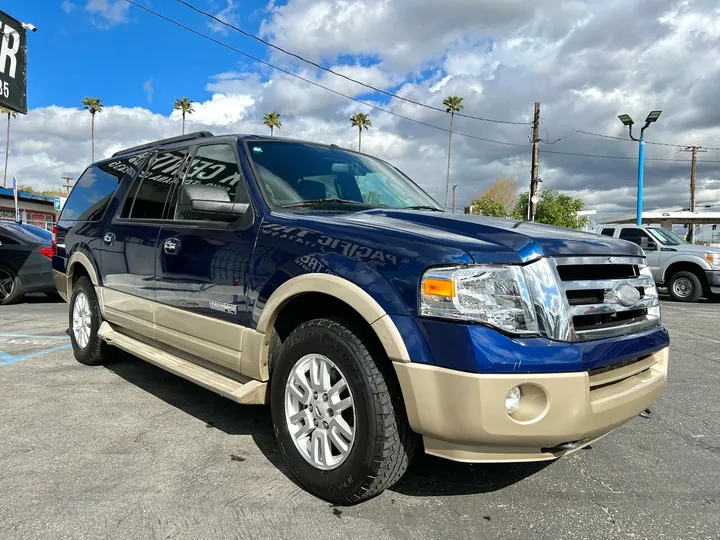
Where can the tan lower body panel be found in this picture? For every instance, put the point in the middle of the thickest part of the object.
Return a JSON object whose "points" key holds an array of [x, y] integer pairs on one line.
{"points": [[462, 416], [61, 284], [243, 390], [131, 312]]}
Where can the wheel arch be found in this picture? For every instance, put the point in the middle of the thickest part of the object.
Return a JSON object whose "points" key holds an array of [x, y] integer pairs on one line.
{"points": [[79, 265], [342, 293], [686, 266]]}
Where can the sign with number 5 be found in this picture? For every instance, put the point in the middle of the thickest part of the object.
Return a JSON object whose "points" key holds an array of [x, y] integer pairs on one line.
{"points": [[13, 64]]}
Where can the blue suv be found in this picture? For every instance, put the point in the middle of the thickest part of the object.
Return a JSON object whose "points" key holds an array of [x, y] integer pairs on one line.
{"points": [[325, 283]]}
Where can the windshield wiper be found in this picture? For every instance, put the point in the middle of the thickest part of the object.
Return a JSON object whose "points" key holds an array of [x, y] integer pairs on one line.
{"points": [[312, 202], [422, 207]]}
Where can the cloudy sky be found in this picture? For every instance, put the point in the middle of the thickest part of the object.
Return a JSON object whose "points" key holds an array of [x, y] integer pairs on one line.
{"points": [[585, 61]]}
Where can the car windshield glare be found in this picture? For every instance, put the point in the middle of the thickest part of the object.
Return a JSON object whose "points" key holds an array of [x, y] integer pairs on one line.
{"points": [[296, 175], [665, 237]]}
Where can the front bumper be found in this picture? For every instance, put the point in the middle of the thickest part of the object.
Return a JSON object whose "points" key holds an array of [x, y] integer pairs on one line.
{"points": [[713, 277], [462, 416]]}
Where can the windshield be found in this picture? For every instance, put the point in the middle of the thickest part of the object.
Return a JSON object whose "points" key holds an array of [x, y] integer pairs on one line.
{"points": [[303, 174], [666, 237], [30, 233]]}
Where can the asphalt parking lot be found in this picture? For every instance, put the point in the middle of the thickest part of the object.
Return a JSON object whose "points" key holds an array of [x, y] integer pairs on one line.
{"points": [[129, 451]]}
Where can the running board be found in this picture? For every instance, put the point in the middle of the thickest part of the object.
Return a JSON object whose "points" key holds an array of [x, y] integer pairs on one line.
{"points": [[251, 392]]}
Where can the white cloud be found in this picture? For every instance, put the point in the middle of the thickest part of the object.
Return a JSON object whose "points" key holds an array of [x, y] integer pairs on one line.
{"points": [[148, 87], [110, 12], [229, 14], [67, 6]]}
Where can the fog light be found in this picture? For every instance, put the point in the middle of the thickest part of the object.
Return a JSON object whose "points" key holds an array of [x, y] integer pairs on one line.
{"points": [[512, 401]]}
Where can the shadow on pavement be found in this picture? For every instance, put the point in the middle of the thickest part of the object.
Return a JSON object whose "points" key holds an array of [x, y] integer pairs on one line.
{"points": [[431, 476], [215, 411], [41, 298], [427, 475]]}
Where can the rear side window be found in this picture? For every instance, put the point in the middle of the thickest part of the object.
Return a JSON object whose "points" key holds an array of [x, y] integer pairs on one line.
{"points": [[94, 190], [608, 232], [149, 193], [7, 241]]}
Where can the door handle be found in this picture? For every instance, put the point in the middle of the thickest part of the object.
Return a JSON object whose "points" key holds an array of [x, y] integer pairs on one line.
{"points": [[109, 239], [171, 246]]}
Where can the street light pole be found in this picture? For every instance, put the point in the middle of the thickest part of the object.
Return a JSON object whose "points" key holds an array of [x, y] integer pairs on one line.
{"points": [[641, 180], [627, 121]]}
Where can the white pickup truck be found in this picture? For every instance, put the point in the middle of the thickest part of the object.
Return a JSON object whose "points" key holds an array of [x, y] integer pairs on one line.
{"points": [[688, 271]]}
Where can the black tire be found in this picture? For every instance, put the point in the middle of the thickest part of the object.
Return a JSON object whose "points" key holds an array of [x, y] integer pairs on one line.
{"points": [[384, 443], [685, 287], [16, 292], [96, 352]]}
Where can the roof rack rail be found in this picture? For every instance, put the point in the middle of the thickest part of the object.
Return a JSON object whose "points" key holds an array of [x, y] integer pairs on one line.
{"points": [[179, 138]]}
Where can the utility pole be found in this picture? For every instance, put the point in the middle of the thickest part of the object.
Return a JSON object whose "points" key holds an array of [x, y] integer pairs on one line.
{"points": [[453, 207], [693, 168], [532, 207], [67, 185]]}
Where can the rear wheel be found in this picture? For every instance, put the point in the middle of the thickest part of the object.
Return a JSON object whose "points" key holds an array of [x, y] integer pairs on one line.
{"points": [[11, 287], [85, 320], [685, 287], [338, 412]]}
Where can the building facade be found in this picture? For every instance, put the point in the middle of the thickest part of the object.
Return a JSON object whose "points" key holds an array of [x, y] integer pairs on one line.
{"points": [[34, 209]]}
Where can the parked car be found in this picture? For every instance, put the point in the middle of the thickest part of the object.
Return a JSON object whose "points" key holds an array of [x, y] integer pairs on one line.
{"points": [[326, 283], [25, 261], [688, 271]]}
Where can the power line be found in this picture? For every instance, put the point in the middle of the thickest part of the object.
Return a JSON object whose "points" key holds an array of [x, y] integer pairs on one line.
{"points": [[377, 107], [329, 70], [621, 157], [612, 137]]}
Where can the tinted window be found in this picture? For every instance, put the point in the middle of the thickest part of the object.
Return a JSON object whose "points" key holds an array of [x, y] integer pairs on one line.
{"points": [[95, 188], [149, 192], [608, 232], [637, 236], [29, 233], [216, 165], [7, 241]]}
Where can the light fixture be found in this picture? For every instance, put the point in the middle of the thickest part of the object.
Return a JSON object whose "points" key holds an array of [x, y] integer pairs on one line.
{"points": [[653, 116], [626, 120], [512, 401]]}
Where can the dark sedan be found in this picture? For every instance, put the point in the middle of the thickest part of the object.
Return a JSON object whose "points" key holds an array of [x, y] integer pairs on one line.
{"points": [[25, 261]]}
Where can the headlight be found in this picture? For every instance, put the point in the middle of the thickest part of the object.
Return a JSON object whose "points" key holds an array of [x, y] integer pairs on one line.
{"points": [[713, 259], [495, 295]]}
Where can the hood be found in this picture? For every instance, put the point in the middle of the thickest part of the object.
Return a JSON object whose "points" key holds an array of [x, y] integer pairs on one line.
{"points": [[490, 240], [691, 248]]}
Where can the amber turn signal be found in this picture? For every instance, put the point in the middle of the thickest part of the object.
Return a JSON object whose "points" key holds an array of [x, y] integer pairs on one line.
{"points": [[439, 287]]}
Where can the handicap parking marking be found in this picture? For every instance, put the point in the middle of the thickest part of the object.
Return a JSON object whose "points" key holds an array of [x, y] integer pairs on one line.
{"points": [[29, 339]]}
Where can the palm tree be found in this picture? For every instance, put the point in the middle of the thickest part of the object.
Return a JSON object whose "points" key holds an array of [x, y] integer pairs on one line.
{"points": [[452, 104], [184, 105], [272, 120], [360, 121], [94, 105], [9, 113]]}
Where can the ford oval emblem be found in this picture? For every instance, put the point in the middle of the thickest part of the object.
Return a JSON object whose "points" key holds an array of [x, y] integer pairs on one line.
{"points": [[627, 295]]}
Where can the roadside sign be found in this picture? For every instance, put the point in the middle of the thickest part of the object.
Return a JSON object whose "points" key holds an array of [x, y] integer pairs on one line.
{"points": [[58, 206], [535, 199], [13, 64]]}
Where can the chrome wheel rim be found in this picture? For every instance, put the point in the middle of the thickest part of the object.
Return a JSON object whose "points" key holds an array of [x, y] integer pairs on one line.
{"points": [[7, 284], [683, 287], [82, 319], [320, 412]]}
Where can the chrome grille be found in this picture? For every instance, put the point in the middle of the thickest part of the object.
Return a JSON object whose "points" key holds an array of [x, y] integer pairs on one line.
{"points": [[582, 298]]}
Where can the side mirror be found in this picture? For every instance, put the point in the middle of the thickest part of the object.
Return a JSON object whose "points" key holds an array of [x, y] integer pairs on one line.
{"points": [[646, 244], [208, 202]]}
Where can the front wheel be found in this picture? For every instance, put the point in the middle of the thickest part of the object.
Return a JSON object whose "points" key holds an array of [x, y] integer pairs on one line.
{"points": [[338, 412], [685, 287]]}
